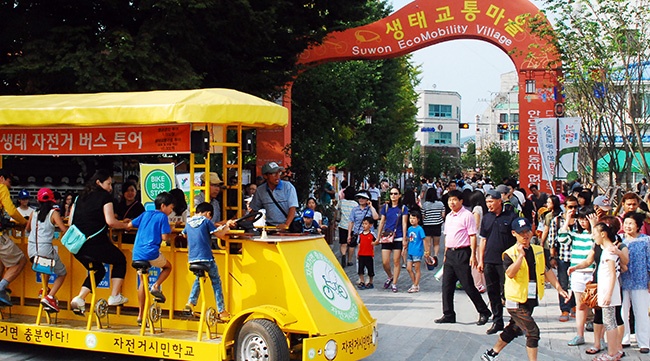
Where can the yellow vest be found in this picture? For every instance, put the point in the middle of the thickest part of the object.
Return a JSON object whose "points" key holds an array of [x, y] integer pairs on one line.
{"points": [[516, 289]]}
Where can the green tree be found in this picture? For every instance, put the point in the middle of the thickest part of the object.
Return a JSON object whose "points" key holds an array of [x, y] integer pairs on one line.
{"points": [[500, 163], [64, 46], [437, 163], [605, 48], [468, 159]]}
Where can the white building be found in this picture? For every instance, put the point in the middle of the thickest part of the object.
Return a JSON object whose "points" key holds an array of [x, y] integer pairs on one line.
{"points": [[438, 120], [500, 121]]}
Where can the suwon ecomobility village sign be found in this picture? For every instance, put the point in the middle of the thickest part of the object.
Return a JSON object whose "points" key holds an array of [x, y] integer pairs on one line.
{"points": [[505, 23]]}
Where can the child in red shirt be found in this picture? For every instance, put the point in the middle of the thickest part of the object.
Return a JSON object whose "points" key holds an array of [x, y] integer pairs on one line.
{"points": [[367, 243]]}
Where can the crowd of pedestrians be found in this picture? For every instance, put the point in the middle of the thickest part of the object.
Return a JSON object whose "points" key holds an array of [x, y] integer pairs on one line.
{"points": [[512, 244]]}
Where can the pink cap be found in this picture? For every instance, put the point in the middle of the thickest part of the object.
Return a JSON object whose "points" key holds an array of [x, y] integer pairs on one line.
{"points": [[45, 195]]}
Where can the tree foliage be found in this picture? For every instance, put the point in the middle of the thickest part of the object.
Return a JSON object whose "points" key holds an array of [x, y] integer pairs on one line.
{"points": [[498, 163], [605, 50], [67, 46], [468, 159], [330, 103], [438, 163]]}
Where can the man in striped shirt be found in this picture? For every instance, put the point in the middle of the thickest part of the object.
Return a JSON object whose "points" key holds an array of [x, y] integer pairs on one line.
{"points": [[561, 253]]}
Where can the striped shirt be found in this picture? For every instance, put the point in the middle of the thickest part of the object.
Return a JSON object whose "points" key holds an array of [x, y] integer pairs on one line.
{"points": [[432, 213], [580, 245]]}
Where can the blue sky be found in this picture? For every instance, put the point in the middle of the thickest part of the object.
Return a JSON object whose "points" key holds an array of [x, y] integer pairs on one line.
{"points": [[470, 67]]}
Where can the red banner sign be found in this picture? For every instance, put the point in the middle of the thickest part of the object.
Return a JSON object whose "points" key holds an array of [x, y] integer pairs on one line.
{"points": [[157, 139]]}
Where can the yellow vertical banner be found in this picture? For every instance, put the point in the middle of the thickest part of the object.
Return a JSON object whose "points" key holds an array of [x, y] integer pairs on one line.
{"points": [[155, 179]]}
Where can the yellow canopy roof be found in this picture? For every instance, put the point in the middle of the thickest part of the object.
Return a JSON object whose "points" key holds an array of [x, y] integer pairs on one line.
{"points": [[215, 106]]}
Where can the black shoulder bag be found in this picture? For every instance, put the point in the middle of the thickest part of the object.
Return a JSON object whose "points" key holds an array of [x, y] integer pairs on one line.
{"points": [[296, 225]]}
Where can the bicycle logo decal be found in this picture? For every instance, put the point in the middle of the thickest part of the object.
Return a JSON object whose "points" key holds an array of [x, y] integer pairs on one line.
{"points": [[329, 287]]}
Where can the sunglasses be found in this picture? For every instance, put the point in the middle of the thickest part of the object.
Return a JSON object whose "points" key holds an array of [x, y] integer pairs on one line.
{"points": [[571, 207], [394, 194]]}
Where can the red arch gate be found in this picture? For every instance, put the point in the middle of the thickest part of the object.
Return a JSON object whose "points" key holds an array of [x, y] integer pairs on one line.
{"points": [[504, 23]]}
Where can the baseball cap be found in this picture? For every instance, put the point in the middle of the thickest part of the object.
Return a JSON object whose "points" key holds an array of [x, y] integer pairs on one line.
{"points": [[603, 202], [362, 194], [23, 194], [503, 189], [493, 193], [214, 178], [45, 195], [308, 213], [271, 167], [520, 225]]}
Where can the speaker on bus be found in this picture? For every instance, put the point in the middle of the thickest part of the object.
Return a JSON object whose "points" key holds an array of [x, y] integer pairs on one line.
{"points": [[200, 141]]}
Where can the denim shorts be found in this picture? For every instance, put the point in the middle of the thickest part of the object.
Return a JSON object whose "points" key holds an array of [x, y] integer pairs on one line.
{"points": [[411, 258]]}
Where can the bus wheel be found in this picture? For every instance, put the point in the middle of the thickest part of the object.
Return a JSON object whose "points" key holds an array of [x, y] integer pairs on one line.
{"points": [[261, 339]]}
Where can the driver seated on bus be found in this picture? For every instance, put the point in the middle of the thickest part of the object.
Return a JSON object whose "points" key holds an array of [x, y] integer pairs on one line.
{"points": [[278, 197]]}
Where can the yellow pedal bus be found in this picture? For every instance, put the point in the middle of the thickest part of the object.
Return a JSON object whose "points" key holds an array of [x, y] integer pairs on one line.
{"points": [[287, 295]]}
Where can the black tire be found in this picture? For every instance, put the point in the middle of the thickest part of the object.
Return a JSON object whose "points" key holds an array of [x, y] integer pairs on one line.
{"points": [[261, 339]]}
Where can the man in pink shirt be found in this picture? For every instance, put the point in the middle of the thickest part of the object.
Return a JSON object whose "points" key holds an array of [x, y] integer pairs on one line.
{"points": [[460, 258]]}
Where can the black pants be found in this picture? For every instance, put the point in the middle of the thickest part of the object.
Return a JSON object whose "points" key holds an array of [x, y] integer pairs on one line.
{"points": [[101, 249], [521, 322], [457, 268], [494, 280]]}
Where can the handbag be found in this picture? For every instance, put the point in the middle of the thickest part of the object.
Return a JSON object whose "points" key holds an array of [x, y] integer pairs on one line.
{"points": [[74, 238], [41, 264], [590, 296], [389, 236]]}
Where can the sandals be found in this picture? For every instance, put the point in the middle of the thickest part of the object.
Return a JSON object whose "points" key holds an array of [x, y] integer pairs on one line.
{"points": [[414, 289], [158, 295], [592, 350]]}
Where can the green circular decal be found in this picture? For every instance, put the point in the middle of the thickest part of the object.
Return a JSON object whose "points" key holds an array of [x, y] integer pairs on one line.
{"points": [[157, 182], [327, 284]]}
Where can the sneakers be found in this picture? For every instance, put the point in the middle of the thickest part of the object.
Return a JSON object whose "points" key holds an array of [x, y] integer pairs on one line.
{"points": [[589, 326], [393, 288], [487, 357], [117, 300], [369, 286], [78, 306], [387, 283], [188, 311], [361, 286], [50, 303], [5, 299], [414, 289], [576, 341], [564, 317]]}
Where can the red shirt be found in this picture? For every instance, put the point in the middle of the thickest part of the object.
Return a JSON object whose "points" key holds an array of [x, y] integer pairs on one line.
{"points": [[366, 248]]}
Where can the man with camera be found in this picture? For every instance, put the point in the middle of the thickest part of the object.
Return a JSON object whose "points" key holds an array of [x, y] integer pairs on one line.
{"points": [[12, 259]]}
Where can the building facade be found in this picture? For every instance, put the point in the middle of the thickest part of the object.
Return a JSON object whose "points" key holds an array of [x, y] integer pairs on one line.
{"points": [[499, 123], [438, 121]]}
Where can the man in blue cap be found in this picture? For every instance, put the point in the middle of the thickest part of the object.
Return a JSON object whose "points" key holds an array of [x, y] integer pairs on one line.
{"points": [[526, 269]]}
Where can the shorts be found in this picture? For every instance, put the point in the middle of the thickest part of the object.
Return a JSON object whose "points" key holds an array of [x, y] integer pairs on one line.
{"points": [[159, 262], [396, 244], [433, 231], [343, 236], [579, 280], [10, 254], [411, 258]]}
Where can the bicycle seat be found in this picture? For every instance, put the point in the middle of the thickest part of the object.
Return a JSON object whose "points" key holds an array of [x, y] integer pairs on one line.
{"points": [[93, 264], [141, 265], [199, 269]]}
